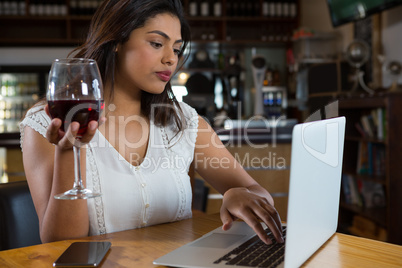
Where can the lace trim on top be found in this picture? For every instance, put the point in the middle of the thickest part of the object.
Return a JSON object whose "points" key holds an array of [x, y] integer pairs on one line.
{"points": [[35, 119], [182, 205], [174, 147], [94, 171]]}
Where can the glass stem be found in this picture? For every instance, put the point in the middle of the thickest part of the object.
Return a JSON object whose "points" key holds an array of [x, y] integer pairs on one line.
{"points": [[77, 169]]}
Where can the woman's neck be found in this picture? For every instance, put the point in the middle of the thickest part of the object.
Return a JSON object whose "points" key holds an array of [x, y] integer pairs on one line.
{"points": [[123, 104]]}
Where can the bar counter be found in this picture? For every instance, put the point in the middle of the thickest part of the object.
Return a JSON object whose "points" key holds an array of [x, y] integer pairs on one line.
{"points": [[139, 247]]}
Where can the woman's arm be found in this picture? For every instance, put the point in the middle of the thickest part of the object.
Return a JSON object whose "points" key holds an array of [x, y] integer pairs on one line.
{"points": [[243, 197], [49, 171]]}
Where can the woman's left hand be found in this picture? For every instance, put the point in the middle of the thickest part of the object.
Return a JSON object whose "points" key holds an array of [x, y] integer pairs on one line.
{"points": [[242, 203]]}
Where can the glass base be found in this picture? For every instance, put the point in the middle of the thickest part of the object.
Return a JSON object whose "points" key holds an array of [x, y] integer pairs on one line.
{"points": [[77, 194]]}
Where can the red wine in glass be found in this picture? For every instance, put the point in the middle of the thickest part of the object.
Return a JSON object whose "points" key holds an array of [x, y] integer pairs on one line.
{"points": [[81, 111], [75, 93]]}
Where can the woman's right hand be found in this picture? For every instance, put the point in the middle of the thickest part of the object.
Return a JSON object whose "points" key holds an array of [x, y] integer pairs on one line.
{"points": [[65, 140]]}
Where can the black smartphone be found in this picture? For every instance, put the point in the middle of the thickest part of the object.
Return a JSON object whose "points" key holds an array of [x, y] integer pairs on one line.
{"points": [[89, 254]]}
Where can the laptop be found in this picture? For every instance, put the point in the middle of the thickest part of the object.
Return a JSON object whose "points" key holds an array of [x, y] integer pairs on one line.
{"points": [[313, 204]]}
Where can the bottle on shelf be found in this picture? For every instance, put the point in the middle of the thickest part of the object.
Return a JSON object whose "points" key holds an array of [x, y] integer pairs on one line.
{"points": [[272, 8], [242, 11], [293, 8], [249, 9], [32, 8], [36, 7], [287, 33], [82, 8], [254, 8], [94, 5], [6, 8], [270, 33], [13, 7], [11, 87], [48, 8], [265, 8], [268, 80], [204, 32], [286, 9], [40, 8], [217, 8], [4, 86], [193, 8], [279, 33], [264, 33], [229, 8], [276, 76], [56, 8], [63, 9], [204, 8], [19, 92], [235, 8], [278, 8], [211, 33], [257, 8], [74, 7], [22, 8], [229, 35]]}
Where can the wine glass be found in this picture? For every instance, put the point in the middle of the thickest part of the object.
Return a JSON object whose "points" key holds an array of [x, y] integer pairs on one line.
{"points": [[75, 93]]}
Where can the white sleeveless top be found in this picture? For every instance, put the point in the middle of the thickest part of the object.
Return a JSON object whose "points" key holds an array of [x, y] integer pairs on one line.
{"points": [[156, 191]]}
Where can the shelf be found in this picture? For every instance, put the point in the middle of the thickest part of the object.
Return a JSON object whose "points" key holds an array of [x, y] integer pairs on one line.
{"points": [[80, 17], [19, 98], [31, 18], [316, 36], [358, 139], [316, 61], [47, 18], [39, 42], [201, 70], [372, 178], [206, 18], [244, 43], [62, 30], [10, 139], [363, 101], [258, 18], [385, 155], [261, 19]]}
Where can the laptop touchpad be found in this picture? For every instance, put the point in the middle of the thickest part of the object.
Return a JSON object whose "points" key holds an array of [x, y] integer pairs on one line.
{"points": [[217, 240]]}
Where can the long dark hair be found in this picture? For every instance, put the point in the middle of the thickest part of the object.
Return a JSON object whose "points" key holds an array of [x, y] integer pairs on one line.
{"points": [[111, 25]]}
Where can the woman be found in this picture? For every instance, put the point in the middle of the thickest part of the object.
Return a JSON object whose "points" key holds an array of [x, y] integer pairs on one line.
{"points": [[139, 156]]}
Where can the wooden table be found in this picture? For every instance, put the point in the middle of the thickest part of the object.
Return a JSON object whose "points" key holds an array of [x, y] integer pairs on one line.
{"points": [[139, 247]]}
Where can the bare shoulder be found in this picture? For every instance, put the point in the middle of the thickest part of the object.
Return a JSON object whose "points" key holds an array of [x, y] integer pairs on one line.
{"points": [[38, 158], [35, 143], [208, 141], [205, 131], [215, 163], [203, 124], [38, 155]]}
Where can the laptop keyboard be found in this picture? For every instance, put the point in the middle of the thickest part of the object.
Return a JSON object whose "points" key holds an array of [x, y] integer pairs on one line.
{"points": [[255, 253]]}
